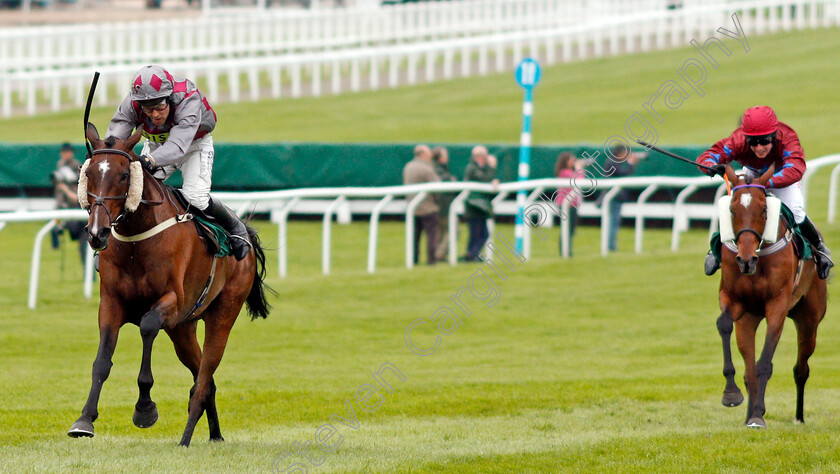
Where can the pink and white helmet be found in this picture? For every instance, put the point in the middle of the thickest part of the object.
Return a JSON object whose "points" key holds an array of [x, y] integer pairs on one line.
{"points": [[151, 82]]}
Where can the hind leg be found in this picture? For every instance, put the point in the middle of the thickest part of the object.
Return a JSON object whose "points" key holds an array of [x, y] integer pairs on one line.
{"points": [[806, 316], [732, 395], [216, 335], [189, 353]]}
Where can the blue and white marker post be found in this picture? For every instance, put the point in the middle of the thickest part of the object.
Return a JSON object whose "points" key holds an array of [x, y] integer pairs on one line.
{"points": [[527, 76]]}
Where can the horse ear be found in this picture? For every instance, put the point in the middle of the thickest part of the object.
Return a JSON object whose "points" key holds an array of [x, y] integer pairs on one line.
{"points": [[767, 175], [92, 134], [133, 140], [730, 174]]}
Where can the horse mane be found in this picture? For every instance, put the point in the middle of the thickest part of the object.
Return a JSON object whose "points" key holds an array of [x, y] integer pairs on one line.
{"points": [[110, 141], [748, 179]]}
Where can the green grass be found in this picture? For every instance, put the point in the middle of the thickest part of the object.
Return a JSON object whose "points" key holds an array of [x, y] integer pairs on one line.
{"points": [[578, 102], [590, 364]]}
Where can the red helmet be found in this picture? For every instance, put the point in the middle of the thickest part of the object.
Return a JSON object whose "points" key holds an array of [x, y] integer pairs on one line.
{"points": [[151, 82], [759, 120]]}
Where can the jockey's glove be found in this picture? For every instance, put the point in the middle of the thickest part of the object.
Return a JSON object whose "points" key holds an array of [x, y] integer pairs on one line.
{"points": [[719, 170], [147, 162]]}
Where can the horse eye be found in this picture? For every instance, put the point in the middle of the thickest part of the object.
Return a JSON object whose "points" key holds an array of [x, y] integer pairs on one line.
{"points": [[124, 177]]}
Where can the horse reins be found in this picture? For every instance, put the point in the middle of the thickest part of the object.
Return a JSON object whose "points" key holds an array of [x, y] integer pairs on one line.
{"points": [[780, 244]]}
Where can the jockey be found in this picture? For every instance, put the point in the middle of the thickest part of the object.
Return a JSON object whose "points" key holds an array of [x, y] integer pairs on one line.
{"points": [[177, 120], [760, 141]]}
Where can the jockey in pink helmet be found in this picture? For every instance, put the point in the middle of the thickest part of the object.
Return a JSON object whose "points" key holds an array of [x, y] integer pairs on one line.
{"points": [[177, 121], [760, 141]]}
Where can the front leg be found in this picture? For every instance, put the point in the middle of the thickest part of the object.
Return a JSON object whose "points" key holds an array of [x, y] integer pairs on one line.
{"points": [[775, 317], [145, 411], [732, 396], [111, 319]]}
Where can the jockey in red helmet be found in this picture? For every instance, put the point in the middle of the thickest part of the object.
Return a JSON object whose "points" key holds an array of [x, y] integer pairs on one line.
{"points": [[177, 120], [760, 141]]}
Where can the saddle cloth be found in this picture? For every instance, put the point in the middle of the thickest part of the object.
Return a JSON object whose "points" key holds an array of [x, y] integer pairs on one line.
{"points": [[214, 236]]}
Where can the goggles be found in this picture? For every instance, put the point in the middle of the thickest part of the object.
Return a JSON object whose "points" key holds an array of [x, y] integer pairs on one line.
{"points": [[760, 139], [159, 107]]}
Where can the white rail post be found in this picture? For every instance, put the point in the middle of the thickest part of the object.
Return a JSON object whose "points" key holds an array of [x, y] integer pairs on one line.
{"points": [[327, 234], [526, 240], [36, 262], [491, 222], [832, 194], [283, 236], [374, 230], [680, 217], [409, 228], [605, 219], [88, 287], [640, 217]]}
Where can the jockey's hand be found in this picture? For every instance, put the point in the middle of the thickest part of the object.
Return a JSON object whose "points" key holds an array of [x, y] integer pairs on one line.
{"points": [[147, 163], [719, 170]]}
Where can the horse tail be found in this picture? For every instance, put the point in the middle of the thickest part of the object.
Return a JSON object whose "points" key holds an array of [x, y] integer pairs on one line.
{"points": [[256, 302]]}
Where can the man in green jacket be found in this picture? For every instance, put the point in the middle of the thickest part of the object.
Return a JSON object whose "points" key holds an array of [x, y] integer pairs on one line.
{"points": [[482, 169]]}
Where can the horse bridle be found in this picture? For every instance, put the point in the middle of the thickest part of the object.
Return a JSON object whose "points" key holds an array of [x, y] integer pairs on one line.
{"points": [[100, 200], [749, 229]]}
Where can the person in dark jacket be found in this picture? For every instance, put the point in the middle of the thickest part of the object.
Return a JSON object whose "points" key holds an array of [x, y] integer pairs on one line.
{"points": [[482, 169], [624, 164], [440, 160]]}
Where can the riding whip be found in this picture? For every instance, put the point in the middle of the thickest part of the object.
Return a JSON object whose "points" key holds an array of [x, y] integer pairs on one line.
{"points": [[87, 108], [672, 155]]}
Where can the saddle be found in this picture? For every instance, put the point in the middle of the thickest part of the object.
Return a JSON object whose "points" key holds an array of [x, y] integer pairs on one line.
{"points": [[215, 237]]}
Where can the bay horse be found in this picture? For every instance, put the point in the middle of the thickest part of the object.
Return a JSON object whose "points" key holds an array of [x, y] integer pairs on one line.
{"points": [[157, 273], [771, 287]]}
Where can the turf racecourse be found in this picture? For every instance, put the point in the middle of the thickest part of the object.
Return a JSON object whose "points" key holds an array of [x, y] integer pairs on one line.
{"points": [[590, 364], [593, 364]]}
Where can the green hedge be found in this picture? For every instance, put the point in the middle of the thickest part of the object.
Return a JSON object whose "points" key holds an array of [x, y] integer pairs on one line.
{"points": [[303, 165]]}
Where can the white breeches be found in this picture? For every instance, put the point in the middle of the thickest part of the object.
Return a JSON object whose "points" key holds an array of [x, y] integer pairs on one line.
{"points": [[196, 170], [792, 197]]}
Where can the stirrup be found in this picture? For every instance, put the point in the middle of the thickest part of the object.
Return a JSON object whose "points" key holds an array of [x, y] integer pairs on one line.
{"points": [[824, 263], [711, 265]]}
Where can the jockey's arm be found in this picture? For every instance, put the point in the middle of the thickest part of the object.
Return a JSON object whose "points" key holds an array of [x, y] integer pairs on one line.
{"points": [[720, 153], [794, 164], [125, 120]]}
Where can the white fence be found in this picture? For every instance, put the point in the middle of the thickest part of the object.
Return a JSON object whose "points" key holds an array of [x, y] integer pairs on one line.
{"points": [[375, 202], [347, 50]]}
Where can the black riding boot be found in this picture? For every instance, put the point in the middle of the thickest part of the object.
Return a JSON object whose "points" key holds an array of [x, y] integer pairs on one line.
{"points": [[239, 242], [711, 265], [821, 252]]}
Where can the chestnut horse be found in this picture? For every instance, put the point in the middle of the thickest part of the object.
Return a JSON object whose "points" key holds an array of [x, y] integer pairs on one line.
{"points": [[771, 287], [156, 273]]}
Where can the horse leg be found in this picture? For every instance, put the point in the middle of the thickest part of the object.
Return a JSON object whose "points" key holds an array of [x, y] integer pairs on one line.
{"points": [[807, 316], [745, 336], [215, 340], [189, 353], [732, 396], [110, 320], [775, 317], [145, 411], [806, 340]]}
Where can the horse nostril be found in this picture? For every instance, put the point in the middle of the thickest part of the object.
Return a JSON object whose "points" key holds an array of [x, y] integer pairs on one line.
{"points": [[103, 233]]}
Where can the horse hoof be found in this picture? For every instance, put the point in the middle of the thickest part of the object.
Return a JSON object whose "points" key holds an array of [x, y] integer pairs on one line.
{"points": [[81, 429], [756, 423], [217, 440], [732, 399], [147, 418]]}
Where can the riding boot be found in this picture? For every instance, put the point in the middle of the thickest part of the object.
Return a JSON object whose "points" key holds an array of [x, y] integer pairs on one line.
{"points": [[821, 253], [239, 242], [711, 264]]}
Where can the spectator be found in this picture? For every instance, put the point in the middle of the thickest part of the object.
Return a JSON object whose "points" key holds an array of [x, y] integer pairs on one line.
{"points": [[624, 165], [440, 156], [482, 168], [420, 170], [65, 181], [565, 167]]}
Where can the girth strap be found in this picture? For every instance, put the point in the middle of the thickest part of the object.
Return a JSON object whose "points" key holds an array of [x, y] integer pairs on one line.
{"points": [[203, 294], [177, 219]]}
